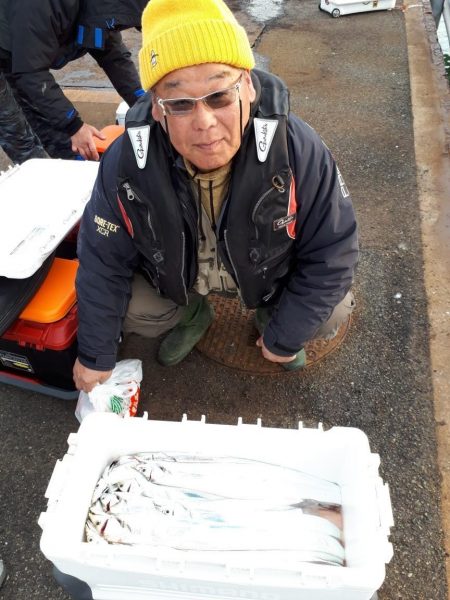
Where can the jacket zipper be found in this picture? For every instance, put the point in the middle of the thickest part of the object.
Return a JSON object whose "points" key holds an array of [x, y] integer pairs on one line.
{"points": [[230, 257], [183, 258], [131, 195], [192, 223], [158, 290], [268, 264]]}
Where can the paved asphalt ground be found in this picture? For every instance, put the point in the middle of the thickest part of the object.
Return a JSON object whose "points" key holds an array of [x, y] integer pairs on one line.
{"points": [[349, 79]]}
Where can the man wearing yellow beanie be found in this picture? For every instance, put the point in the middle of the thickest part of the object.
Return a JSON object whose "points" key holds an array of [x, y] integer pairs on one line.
{"points": [[215, 186]]}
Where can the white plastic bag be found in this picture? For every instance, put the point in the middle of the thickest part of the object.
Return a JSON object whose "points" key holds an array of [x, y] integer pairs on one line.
{"points": [[118, 394]]}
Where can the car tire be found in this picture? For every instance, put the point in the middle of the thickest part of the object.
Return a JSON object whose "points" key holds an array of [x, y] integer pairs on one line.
{"points": [[336, 13]]}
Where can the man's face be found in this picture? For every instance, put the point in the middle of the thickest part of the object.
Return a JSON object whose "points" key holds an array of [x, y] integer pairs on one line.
{"points": [[206, 137]]}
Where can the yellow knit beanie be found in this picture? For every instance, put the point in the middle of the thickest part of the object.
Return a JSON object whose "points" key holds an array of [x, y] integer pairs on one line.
{"points": [[184, 33]]}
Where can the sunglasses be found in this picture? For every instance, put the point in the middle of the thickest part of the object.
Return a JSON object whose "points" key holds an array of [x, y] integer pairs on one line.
{"points": [[215, 100]]}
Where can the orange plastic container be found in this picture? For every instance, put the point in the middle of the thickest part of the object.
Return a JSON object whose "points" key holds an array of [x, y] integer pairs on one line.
{"points": [[39, 349], [56, 296], [111, 132]]}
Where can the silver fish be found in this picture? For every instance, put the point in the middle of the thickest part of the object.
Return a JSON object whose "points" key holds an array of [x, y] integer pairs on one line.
{"points": [[221, 506]]}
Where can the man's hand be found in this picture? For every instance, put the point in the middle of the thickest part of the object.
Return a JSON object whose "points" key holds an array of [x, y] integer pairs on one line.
{"points": [[86, 379], [83, 141], [289, 363], [268, 355]]}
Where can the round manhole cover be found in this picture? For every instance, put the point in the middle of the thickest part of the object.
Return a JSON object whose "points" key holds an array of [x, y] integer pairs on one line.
{"points": [[231, 340]]}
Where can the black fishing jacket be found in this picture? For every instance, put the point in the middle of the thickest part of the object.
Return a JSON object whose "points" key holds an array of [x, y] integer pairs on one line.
{"points": [[286, 233], [47, 34]]}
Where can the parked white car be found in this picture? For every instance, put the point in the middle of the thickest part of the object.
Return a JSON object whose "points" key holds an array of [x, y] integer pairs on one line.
{"points": [[346, 7]]}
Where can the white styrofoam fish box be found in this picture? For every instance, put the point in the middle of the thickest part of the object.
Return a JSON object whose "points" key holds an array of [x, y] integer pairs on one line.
{"points": [[40, 202], [121, 572]]}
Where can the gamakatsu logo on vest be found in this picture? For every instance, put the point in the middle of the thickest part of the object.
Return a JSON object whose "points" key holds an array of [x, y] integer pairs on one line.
{"points": [[140, 147], [264, 132], [139, 137], [262, 144]]}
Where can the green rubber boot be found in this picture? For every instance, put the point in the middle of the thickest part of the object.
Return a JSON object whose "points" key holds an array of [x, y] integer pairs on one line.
{"points": [[262, 317], [198, 316], [299, 362]]}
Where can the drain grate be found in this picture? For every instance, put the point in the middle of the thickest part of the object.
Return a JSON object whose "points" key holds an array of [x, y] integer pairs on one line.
{"points": [[231, 340]]}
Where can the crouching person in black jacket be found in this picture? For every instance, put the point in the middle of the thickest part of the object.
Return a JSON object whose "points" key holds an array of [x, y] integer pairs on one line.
{"points": [[215, 186], [47, 35]]}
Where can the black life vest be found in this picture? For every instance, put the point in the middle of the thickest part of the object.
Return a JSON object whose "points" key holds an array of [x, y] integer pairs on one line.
{"points": [[256, 228]]}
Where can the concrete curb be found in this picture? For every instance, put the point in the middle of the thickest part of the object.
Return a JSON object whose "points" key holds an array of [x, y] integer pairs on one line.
{"points": [[102, 95], [430, 95]]}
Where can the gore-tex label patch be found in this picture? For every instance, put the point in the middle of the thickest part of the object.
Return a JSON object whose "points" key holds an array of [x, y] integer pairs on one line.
{"points": [[283, 222], [15, 361]]}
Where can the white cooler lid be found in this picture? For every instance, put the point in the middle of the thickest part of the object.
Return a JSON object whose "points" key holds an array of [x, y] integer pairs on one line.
{"points": [[40, 202]]}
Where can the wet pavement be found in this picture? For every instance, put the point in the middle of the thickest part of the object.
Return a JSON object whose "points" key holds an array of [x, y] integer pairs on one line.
{"points": [[349, 79]]}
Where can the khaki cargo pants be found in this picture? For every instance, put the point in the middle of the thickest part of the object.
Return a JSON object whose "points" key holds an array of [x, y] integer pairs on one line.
{"points": [[151, 315]]}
